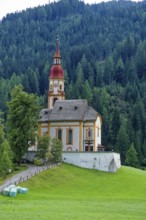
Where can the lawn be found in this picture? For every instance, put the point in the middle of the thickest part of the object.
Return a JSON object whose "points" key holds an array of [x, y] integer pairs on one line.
{"points": [[71, 193]]}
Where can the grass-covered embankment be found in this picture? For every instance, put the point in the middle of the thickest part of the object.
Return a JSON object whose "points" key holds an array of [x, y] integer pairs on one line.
{"points": [[70, 193]]}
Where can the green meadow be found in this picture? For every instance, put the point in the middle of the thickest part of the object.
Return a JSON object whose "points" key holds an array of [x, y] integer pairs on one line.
{"points": [[67, 192]]}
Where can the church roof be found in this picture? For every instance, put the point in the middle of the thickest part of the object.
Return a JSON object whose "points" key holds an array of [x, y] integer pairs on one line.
{"points": [[69, 110], [90, 114], [44, 114]]}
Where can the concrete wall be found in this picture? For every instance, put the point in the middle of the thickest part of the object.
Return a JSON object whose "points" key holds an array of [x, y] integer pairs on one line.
{"points": [[104, 161]]}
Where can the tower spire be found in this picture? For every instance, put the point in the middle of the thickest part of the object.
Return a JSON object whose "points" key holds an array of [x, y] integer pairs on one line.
{"points": [[57, 53]]}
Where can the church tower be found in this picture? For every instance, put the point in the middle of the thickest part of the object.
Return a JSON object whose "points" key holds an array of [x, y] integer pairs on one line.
{"points": [[56, 80]]}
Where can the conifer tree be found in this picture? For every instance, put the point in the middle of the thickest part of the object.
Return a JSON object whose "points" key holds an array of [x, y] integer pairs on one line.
{"points": [[87, 92], [122, 142], [2, 135], [6, 158], [99, 74], [78, 88], [119, 71], [5, 152], [131, 157], [109, 70]]}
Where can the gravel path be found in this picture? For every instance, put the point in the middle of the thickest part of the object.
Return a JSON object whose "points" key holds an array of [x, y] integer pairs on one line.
{"points": [[25, 175]]}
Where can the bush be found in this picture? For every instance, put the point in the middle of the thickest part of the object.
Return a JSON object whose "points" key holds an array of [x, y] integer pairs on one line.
{"points": [[56, 150], [143, 163], [38, 162]]}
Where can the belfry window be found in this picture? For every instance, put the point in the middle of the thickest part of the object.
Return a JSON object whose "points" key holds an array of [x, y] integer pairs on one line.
{"points": [[57, 61], [51, 87]]}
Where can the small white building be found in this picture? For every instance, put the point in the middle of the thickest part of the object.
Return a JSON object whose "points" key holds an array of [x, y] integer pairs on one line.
{"points": [[74, 122]]}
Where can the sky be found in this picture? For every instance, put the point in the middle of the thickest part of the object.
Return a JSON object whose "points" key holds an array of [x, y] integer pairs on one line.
{"points": [[8, 6]]}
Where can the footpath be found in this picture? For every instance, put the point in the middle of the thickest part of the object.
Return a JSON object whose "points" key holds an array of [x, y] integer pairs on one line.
{"points": [[25, 175]]}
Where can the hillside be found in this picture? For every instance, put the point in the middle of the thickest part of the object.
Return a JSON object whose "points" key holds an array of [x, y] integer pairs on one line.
{"points": [[103, 50], [67, 192]]}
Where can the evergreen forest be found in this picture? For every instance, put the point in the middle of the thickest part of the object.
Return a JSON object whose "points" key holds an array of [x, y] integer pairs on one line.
{"points": [[103, 50]]}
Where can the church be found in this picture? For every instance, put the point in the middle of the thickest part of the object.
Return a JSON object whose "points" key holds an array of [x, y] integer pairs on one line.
{"points": [[74, 122]]}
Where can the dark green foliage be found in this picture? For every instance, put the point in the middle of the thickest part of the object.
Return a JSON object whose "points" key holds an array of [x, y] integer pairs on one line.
{"points": [[5, 152], [143, 163], [131, 157], [56, 150], [122, 142], [6, 158], [21, 121], [2, 134], [103, 50]]}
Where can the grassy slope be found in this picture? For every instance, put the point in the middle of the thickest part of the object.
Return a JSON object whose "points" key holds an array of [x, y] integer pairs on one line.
{"points": [[70, 193]]}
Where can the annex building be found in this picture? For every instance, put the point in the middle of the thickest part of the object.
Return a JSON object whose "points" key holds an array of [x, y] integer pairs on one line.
{"points": [[74, 122]]}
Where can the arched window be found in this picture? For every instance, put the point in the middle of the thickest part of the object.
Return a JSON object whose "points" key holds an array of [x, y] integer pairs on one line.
{"points": [[59, 134], [60, 87], [89, 133], [70, 136]]}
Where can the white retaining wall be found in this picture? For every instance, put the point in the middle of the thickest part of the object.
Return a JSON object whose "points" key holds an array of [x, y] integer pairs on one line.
{"points": [[104, 161]]}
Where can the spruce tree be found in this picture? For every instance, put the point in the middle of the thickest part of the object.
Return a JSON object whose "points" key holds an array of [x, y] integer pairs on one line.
{"points": [[131, 157], [122, 142], [6, 158], [5, 152], [2, 135]]}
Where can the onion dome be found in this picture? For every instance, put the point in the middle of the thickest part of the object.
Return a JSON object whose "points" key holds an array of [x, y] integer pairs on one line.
{"points": [[56, 72]]}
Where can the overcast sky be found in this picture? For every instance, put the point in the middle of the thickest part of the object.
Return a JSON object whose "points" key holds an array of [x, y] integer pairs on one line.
{"points": [[8, 6]]}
